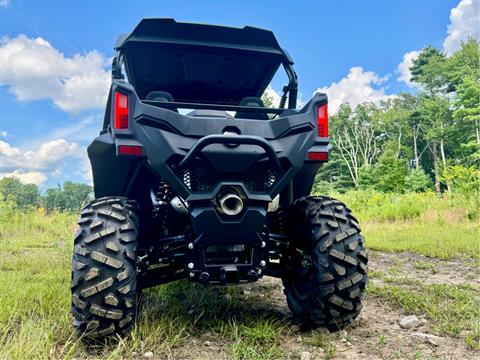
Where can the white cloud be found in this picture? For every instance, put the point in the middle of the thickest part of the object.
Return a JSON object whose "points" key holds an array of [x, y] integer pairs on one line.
{"points": [[3, 134], [8, 151], [403, 69], [82, 130], [4, 3], [37, 165], [30, 177], [464, 24], [50, 154], [33, 69], [357, 87], [85, 171]]}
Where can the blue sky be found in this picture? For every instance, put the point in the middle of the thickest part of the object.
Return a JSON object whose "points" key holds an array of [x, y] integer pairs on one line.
{"points": [[54, 61]]}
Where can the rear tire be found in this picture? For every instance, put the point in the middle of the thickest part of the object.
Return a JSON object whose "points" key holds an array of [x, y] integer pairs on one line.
{"points": [[327, 289], [104, 268]]}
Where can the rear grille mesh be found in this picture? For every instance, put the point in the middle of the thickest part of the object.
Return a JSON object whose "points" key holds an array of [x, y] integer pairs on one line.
{"points": [[260, 178]]}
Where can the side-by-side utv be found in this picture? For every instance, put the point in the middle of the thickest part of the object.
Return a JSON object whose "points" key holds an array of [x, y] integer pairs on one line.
{"points": [[196, 179]]}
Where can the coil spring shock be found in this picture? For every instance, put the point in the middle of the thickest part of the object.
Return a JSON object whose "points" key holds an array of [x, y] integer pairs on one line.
{"points": [[277, 221], [162, 207], [281, 221]]}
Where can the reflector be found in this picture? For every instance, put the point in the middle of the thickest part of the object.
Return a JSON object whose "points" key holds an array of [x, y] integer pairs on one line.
{"points": [[318, 156], [130, 150]]}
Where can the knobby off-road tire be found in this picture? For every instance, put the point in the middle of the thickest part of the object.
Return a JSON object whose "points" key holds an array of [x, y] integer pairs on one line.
{"points": [[104, 268], [329, 292]]}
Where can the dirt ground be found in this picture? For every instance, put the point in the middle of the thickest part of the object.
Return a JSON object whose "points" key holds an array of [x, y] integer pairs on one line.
{"points": [[426, 269], [376, 333]]}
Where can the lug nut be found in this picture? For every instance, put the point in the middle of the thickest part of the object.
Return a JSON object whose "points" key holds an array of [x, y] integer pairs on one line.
{"points": [[190, 266], [192, 274], [190, 246], [263, 263]]}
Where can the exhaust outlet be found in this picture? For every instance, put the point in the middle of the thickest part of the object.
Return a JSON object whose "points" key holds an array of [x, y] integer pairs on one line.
{"points": [[230, 203]]}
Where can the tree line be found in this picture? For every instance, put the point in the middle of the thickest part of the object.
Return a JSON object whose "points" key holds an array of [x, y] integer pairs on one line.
{"points": [[427, 141], [69, 197]]}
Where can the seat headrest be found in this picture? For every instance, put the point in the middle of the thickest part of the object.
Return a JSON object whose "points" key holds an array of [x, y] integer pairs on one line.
{"points": [[159, 96], [252, 102]]}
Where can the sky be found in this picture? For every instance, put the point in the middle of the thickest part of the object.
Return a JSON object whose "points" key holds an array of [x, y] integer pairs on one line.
{"points": [[55, 60]]}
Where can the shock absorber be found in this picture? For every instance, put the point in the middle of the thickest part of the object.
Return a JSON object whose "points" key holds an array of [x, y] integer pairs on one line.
{"points": [[161, 208], [277, 221], [282, 219]]}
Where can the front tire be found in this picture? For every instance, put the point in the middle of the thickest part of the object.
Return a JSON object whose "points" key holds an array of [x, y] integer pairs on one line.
{"points": [[104, 268], [325, 274]]}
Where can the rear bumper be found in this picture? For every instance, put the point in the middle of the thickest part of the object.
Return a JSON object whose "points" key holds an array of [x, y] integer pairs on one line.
{"points": [[168, 138]]}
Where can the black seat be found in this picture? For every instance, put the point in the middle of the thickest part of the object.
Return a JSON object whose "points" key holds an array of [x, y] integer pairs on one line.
{"points": [[252, 102], [163, 96], [159, 96]]}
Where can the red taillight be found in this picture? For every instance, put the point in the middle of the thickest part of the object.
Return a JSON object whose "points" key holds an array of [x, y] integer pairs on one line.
{"points": [[121, 111], [322, 120], [318, 156], [130, 150]]}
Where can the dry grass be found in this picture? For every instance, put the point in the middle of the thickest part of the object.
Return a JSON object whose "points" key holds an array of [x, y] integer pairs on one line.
{"points": [[35, 320]]}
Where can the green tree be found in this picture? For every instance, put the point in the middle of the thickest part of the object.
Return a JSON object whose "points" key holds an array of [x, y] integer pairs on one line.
{"points": [[389, 172], [465, 63], [336, 172], [467, 102], [333, 175], [71, 197], [417, 181], [393, 120], [356, 137], [25, 195], [437, 126], [428, 70]]}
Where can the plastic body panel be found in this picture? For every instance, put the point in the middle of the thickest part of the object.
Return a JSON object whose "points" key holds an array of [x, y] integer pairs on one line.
{"points": [[165, 135]]}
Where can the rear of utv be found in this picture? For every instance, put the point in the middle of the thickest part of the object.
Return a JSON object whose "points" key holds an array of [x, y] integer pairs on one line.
{"points": [[196, 179]]}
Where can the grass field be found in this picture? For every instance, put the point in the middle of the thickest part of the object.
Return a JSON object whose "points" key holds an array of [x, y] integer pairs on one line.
{"points": [[422, 223], [35, 320]]}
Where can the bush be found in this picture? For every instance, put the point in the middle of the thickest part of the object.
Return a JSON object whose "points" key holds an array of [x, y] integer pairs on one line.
{"points": [[417, 181], [323, 187], [371, 205], [466, 182], [387, 174], [374, 205]]}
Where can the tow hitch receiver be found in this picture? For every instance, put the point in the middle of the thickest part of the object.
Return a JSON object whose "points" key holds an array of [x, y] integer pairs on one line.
{"points": [[229, 275]]}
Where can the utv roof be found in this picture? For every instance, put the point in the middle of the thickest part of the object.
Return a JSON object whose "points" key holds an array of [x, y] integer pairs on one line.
{"points": [[168, 31], [200, 63]]}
